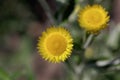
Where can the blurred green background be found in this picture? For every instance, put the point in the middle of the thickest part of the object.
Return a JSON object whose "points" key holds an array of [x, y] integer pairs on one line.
{"points": [[21, 23]]}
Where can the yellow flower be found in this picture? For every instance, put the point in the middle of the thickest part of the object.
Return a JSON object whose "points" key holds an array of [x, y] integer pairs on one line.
{"points": [[55, 44], [93, 18]]}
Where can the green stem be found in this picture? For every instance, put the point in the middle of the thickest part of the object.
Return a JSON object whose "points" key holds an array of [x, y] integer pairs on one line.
{"points": [[89, 40], [47, 10], [83, 63]]}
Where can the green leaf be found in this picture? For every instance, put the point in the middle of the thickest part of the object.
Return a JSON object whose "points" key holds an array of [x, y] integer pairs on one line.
{"points": [[4, 75]]}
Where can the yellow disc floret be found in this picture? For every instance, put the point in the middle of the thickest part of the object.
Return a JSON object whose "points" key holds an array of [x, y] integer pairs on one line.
{"points": [[93, 18], [55, 44]]}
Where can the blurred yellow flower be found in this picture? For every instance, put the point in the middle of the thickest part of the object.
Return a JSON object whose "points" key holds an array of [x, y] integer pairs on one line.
{"points": [[93, 18], [55, 44], [89, 53]]}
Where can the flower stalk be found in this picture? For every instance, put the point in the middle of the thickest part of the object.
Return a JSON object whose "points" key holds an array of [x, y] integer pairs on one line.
{"points": [[89, 40]]}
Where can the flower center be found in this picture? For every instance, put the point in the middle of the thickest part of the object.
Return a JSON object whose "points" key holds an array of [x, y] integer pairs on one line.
{"points": [[93, 17], [56, 44]]}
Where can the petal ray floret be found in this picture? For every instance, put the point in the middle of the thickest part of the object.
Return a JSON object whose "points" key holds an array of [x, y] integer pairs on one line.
{"points": [[93, 18], [55, 44]]}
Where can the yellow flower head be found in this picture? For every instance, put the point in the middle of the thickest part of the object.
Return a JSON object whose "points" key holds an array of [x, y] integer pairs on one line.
{"points": [[55, 44], [93, 18]]}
